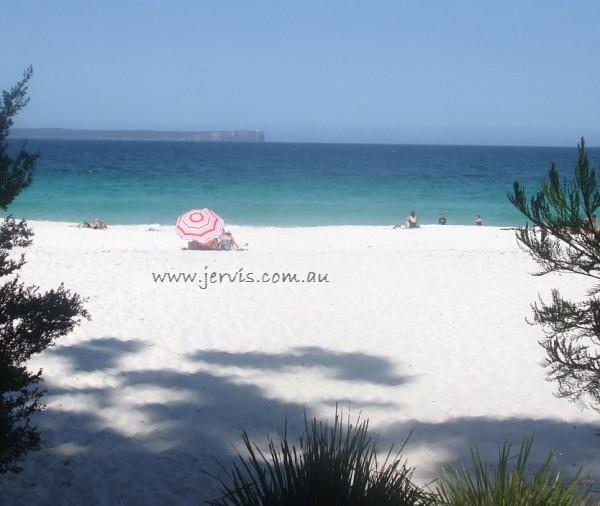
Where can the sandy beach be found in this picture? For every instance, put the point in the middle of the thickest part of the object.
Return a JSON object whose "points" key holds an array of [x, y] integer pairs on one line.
{"points": [[417, 330]]}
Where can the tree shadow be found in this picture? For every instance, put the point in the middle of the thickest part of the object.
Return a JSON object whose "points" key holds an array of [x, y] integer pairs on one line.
{"points": [[97, 354], [356, 367], [170, 427], [573, 445], [149, 436], [352, 405]]}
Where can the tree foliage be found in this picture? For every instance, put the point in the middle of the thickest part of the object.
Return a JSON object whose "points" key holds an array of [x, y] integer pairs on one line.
{"points": [[16, 172], [30, 320], [565, 238]]}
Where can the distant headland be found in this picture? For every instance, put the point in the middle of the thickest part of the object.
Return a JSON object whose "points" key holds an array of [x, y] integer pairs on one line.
{"points": [[138, 135]]}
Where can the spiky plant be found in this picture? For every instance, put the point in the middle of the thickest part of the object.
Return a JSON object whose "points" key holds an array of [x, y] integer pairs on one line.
{"points": [[508, 482], [332, 465]]}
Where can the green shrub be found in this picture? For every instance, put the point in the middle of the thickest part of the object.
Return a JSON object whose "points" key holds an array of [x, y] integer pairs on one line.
{"points": [[504, 484], [332, 466]]}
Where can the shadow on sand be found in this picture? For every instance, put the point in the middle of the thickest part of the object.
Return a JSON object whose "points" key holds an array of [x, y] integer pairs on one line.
{"points": [[356, 367], [573, 445], [146, 436]]}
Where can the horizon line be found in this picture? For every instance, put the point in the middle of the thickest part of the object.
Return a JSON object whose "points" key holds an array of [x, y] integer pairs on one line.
{"points": [[363, 143]]}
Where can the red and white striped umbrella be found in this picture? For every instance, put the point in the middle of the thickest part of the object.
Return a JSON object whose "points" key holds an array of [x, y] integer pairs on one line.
{"points": [[199, 225]]}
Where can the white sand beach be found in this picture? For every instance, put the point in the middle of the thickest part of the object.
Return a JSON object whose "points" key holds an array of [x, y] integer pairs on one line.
{"points": [[416, 330]]}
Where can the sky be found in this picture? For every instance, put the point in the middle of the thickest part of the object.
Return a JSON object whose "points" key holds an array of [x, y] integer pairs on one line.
{"points": [[418, 72]]}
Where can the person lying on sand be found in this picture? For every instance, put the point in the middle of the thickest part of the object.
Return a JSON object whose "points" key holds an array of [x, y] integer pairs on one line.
{"points": [[210, 245], [98, 224], [225, 242]]}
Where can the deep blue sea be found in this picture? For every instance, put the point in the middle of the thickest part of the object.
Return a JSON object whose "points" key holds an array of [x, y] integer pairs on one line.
{"points": [[278, 184]]}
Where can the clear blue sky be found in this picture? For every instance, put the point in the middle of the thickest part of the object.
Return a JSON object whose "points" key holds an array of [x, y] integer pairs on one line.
{"points": [[448, 72]]}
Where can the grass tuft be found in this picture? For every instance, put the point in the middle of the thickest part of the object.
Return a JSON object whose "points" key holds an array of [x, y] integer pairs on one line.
{"points": [[331, 465], [508, 482]]}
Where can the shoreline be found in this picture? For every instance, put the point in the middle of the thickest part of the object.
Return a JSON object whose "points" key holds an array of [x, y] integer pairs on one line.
{"points": [[74, 224], [305, 240]]}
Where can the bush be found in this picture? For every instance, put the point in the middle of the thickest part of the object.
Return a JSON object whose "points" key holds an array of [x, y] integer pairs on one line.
{"points": [[506, 485], [565, 237], [30, 320], [333, 465]]}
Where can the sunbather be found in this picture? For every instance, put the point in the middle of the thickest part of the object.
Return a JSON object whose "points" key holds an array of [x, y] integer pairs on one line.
{"points": [[227, 242], [411, 220], [98, 224], [210, 245]]}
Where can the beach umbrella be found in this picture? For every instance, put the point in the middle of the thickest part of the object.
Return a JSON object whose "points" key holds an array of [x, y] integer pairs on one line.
{"points": [[199, 225]]}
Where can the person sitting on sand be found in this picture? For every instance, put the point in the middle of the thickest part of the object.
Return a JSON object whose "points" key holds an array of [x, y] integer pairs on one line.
{"points": [[478, 221], [210, 245], [411, 220], [589, 227], [83, 224], [227, 242], [442, 219]]}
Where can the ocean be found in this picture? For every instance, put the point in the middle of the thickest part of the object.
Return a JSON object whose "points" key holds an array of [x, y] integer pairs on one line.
{"points": [[280, 184]]}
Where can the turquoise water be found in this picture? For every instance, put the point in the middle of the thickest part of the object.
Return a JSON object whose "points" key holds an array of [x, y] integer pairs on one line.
{"points": [[282, 184]]}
